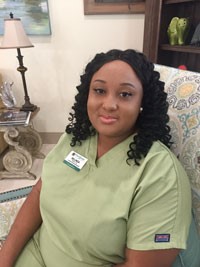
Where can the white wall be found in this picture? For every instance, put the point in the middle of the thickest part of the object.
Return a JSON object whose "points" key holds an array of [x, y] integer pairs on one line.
{"points": [[56, 62]]}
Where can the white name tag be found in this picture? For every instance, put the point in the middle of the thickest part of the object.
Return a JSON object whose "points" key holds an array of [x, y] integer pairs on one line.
{"points": [[75, 160]]}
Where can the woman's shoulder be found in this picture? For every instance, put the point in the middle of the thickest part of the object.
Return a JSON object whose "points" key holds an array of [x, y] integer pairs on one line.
{"points": [[65, 142], [161, 164], [161, 154], [160, 148], [163, 158], [65, 139], [62, 144], [64, 136]]}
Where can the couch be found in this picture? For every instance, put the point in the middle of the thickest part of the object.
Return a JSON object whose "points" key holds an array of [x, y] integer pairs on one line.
{"points": [[183, 93]]}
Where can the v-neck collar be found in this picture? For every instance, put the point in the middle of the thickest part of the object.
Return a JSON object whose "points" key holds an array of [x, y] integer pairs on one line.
{"points": [[109, 155]]}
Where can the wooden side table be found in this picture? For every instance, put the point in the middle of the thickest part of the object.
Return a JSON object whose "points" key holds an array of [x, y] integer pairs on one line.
{"points": [[24, 144]]}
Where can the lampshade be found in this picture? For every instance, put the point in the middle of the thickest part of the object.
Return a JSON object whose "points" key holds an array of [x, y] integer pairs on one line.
{"points": [[14, 35]]}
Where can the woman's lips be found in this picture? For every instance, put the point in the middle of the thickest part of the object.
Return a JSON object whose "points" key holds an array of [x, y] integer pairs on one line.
{"points": [[107, 119]]}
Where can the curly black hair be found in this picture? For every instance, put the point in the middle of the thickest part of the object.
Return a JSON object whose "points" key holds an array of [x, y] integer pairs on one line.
{"points": [[152, 121]]}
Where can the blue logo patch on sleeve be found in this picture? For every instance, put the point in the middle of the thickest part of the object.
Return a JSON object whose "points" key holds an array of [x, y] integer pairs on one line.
{"points": [[162, 238]]}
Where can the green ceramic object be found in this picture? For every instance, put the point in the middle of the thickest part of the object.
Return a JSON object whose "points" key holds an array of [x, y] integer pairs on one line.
{"points": [[172, 31], [178, 30]]}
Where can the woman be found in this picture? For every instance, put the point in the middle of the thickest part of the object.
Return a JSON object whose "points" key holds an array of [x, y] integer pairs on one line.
{"points": [[112, 193]]}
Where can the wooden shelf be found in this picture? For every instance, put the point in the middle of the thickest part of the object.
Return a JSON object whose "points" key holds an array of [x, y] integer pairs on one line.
{"points": [[177, 1], [181, 48], [158, 14]]}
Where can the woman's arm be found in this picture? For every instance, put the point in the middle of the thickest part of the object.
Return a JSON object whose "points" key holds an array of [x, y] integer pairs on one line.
{"points": [[150, 258], [26, 223]]}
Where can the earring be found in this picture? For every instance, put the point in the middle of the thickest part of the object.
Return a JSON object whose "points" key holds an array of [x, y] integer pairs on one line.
{"points": [[141, 109]]}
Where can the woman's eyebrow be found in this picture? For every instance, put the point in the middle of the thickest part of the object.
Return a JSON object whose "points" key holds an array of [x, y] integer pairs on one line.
{"points": [[123, 84], [128, 84], [99, 80]]}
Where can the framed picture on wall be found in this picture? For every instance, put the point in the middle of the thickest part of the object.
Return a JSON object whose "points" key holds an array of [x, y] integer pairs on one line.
{"points": [[95, 7], [33, 14]]}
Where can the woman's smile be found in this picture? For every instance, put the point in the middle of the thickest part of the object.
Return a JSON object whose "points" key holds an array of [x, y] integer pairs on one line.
{"points": [[106, 119]]}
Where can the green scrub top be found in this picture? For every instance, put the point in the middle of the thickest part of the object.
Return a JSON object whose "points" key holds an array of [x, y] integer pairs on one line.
{"points": [[90, 216]]}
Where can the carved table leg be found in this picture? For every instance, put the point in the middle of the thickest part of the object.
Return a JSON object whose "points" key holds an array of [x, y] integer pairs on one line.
{"points": [[18, 160], [29, 139]]}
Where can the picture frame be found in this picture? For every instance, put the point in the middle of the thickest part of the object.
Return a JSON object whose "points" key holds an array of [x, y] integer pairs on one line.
{"points": [[33, 14], [98, 7]]}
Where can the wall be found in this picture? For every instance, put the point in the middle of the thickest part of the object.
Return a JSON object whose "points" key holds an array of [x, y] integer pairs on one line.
{"points": [[56, 62]]}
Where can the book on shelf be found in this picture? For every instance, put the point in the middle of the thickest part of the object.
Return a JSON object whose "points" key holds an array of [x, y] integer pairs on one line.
{"points": [[14, 117]]}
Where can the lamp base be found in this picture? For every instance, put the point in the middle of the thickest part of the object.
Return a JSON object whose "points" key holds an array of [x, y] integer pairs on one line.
{"points": [[28, 107]]}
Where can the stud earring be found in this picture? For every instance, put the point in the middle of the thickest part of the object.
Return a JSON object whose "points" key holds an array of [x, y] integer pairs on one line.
{"points": [[141, 109]]}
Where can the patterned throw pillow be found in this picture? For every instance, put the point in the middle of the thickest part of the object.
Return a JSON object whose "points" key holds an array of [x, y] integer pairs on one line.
{"points": [[183, 89]]}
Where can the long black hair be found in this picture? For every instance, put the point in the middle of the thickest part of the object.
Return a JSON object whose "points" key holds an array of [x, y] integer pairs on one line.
{"points": [[152, 121]]}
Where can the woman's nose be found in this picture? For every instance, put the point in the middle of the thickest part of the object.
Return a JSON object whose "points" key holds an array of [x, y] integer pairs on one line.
{"points": [[110, 103]]}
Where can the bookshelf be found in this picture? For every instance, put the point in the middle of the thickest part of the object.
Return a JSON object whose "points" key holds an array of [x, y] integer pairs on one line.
{"points": [[158, 14]]}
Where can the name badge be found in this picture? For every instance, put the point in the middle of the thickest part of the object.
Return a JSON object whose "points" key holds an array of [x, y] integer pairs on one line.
{"points": [[75, 160]]}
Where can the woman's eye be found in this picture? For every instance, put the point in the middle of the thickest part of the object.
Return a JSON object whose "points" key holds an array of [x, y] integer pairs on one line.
{"points": [[125, 94], [99, 91]]}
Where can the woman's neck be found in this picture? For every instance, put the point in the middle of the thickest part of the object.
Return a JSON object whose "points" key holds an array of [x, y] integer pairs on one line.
{"points": [[104, 144]]}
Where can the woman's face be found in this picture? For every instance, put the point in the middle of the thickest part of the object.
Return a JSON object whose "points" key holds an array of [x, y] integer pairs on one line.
{"points": [[114, 100]]}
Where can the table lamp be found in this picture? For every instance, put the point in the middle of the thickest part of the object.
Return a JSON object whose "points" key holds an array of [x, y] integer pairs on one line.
{"points": [[15, 37]]}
